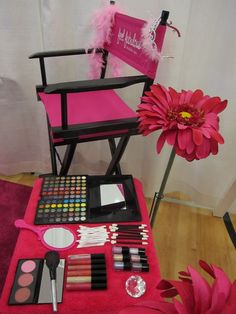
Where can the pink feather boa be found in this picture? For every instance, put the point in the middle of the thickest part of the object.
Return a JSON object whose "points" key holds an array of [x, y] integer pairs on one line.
{"points": [[102, 22]]}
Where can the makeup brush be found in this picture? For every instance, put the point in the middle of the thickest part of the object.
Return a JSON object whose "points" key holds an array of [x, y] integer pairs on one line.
{"points": [[52, 260]]}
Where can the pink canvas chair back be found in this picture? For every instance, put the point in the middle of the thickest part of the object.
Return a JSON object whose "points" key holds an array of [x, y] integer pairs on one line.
{"points": [[126, 43]]}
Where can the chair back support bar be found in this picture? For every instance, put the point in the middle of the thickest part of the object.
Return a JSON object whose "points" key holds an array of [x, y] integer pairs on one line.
{"points": [[126, 42]]}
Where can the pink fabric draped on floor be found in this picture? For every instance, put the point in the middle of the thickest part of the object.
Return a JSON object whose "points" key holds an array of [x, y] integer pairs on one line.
{"points": [[13, 202]]}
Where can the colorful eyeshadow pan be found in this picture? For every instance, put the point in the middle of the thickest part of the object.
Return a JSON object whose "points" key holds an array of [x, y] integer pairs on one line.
{"points": [[28, 266], [63, 200]]}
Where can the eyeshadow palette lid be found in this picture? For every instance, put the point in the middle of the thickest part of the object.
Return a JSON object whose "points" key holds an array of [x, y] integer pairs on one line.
{"points": [[112, 199]]}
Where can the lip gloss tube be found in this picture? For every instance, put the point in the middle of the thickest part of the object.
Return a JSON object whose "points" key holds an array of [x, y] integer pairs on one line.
{"points": [[86, 279], [90, 267], [86, 272], [129, 258], [86, 286], [85, 257], [92, 261], [128, 250], [139, 267]]}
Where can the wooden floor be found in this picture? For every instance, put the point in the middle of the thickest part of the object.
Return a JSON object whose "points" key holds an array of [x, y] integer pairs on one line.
{"points": [[183, 235]]}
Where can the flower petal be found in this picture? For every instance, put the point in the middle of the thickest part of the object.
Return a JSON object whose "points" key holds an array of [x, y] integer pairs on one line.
{"points": [[184, 137], [220, 107], [174, 96], [203, 150], [196, 96], [202, 291], [209, 105], [171, 137], [161, 142], [220, 291], [197, 136], [230, 307], [208, 268], [159, 94]]}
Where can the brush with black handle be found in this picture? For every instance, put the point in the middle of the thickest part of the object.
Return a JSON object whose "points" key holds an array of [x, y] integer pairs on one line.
{"points": [[52, 260]]}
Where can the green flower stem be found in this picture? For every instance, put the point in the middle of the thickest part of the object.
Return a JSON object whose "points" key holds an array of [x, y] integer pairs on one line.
{"points": [[159, 195]]}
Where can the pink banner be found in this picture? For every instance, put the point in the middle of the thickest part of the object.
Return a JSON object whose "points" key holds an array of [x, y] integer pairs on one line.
{"points": [[126, 43]]}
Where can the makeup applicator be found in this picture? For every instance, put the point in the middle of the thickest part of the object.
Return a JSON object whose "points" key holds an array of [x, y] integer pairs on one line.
{"points": [[52, 260]]}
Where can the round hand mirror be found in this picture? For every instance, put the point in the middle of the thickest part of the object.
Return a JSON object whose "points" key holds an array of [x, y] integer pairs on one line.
{"points": [[57, 238]]}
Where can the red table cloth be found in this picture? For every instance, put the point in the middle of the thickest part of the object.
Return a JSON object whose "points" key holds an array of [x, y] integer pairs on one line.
{"points": [[112, 300]]}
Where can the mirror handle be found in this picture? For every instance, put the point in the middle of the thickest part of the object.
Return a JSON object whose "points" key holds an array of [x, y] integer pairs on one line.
{"points": [[20, 223]]}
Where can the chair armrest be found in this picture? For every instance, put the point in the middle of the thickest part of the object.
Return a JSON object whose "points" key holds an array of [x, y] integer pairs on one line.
{"points": [[76, 130], [59, 53], [92, 85]]}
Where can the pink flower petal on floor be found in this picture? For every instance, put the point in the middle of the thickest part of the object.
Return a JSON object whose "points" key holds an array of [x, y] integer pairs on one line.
{"points": [[180, 307], [202, 291], [208, 268], [230, 306], [164, 307], [220, 291]]}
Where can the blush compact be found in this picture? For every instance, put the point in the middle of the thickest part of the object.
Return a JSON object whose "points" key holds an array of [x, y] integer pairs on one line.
{"points": [[32, 282]]}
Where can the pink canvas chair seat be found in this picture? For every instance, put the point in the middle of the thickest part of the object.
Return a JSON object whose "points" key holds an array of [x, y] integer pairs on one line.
{"points": [[87, 107], [91, 110]]}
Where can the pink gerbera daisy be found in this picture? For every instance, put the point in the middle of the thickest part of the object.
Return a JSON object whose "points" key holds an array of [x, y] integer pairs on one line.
{"points": [[189, 120]]}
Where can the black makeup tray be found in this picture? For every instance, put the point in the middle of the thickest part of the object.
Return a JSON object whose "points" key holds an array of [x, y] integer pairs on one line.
{"points": [[96, 209]]}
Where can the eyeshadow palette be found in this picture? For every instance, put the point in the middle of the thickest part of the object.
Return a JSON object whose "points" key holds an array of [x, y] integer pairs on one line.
{"points": [[32, 282], [87, 199], [63, 200]]}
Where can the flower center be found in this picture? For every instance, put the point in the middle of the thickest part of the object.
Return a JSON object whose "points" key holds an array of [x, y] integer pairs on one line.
{"points": [[185, 115]]}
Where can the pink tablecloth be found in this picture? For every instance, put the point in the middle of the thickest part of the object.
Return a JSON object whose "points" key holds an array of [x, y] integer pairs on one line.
{"points": [[107, 301]]}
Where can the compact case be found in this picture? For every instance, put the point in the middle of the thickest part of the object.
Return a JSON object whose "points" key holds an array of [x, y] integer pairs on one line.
{"points": [[32, 284], [87, 199]]}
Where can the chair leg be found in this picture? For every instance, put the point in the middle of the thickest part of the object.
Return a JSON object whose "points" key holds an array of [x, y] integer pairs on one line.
{"points": [[52, 152], [70, 150], [117, 154], [113, 147]]}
